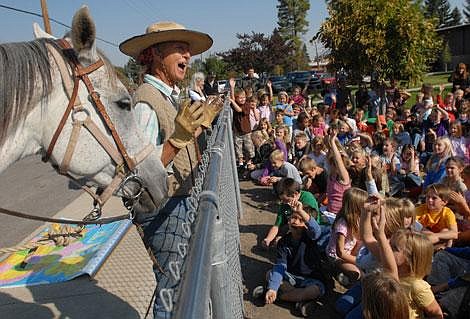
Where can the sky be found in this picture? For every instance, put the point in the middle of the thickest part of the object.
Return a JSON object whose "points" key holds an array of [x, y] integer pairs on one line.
{"points": [[118, 20]]}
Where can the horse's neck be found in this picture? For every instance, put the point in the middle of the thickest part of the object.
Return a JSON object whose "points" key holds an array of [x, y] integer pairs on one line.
{"points": [[22, 141], [28, 135]]}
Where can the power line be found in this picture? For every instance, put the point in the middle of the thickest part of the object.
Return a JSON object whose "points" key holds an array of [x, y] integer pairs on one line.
{"points": [[53, 20]]}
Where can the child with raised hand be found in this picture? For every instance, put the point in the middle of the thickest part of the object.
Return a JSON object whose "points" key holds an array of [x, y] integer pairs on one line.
{"points": [[408, 257], [345, 239], [296, 271], [289, 193], [439, 222], [435, 167], [368, 257], [241, 124], [338, 181]]}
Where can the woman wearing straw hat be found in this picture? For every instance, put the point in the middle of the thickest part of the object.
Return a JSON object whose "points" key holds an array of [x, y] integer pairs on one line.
{"points": [[165, 50]]}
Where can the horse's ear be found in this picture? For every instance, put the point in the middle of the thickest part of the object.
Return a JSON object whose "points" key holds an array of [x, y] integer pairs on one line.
{"points": [[39, 33], [83, 34]]}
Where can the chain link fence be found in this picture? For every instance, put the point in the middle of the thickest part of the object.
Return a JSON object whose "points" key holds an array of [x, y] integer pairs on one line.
{"points": [[210, 276]]}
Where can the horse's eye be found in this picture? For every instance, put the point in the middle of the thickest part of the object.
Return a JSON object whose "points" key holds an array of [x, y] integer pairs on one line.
{"points": [[124, 103]]}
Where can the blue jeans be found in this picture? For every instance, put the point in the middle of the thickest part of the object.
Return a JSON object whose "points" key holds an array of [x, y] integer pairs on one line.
{"points": [[164, 233], [349, 305]]}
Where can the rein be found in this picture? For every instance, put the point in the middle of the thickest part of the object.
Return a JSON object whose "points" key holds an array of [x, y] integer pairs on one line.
{"points": [[125, 165]]}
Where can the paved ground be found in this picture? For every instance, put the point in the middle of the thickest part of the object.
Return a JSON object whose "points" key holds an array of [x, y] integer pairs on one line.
{"points": [[31, 186]]}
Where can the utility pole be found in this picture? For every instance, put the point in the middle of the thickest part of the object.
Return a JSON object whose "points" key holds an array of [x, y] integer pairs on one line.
{"points": [[45, 17]]}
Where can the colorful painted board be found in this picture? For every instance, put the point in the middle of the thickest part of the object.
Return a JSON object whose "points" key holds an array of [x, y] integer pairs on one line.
{"points": [[51, 264]]}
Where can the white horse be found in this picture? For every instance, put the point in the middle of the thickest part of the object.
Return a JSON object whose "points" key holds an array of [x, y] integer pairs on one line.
{"points": [[33, 99]]}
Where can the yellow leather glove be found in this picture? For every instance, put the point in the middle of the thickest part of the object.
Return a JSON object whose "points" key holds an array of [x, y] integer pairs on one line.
{"points": [[188, 119], [212, 107]]}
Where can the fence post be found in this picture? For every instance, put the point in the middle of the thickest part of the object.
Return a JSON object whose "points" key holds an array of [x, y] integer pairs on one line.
{"points": [[230, 145]]}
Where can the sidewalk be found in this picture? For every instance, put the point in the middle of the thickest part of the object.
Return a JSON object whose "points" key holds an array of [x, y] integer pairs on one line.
{"points": [[122, 288]]}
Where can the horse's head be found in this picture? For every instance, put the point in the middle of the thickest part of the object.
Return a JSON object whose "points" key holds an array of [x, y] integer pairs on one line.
{"points": [[90, 162]]}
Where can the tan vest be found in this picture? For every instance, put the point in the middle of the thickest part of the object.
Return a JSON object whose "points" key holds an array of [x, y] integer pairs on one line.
{"points": [[180, 183]]}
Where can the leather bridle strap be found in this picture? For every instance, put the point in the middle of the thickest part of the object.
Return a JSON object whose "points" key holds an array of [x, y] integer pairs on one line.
{"points": [[82, 73]]}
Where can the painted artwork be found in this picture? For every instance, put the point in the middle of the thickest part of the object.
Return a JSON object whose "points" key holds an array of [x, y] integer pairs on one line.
{"points": [[51, 264]]}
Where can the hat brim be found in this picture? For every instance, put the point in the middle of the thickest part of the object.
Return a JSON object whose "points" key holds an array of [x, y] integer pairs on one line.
{"points": [[198, 42]]}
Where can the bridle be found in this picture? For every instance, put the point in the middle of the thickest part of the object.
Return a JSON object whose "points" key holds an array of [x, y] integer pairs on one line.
{"points": [[125, 172]]}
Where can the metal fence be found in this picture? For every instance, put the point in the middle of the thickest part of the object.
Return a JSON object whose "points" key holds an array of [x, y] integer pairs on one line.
{"points": [[211, 281]]}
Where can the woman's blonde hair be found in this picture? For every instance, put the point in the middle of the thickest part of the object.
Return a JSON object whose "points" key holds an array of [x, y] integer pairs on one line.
{"points": [[417, 250], [353, 203], [198, 76], [383, 297]]}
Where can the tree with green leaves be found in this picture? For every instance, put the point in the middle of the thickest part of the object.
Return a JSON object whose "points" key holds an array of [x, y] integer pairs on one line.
{"points": [[466, 11], [293, 24], [259, 51], [439, 9], [456, 17], [390, 38]]}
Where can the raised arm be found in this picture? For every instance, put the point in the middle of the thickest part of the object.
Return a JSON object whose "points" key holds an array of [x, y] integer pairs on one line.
{"points": [[386, 253], [342, 171]]}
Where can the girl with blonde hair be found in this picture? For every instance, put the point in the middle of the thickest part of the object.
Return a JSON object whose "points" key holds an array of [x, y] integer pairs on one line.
{"points": [[408, 257], [436, 165]]}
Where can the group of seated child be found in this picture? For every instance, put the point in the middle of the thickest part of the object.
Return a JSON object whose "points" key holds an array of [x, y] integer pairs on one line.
{"points": [[343, 185]]}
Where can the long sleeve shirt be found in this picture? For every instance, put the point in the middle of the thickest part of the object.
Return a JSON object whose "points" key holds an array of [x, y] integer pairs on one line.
{"points": [[296, 257]]}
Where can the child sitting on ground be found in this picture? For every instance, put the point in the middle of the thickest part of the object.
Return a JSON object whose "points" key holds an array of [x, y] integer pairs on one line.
{"points": [[345, 240], [338, 181], [439, 222], [289, 194], [409, 261], [282, 168], [296, 272], [260, 165], [314, 178], [393, 300], [302, 147]]}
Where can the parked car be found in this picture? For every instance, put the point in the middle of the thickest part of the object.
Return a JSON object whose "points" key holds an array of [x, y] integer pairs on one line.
{"points": [[279, 83], [301, 78], [221, 84], [326, 78]]}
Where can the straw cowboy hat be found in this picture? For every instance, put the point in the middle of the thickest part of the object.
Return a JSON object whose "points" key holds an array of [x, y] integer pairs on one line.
{"points": [[166, 31]]}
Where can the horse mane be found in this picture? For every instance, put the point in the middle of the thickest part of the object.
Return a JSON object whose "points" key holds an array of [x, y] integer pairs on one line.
{"points": [[22, 64], [24, 68]]}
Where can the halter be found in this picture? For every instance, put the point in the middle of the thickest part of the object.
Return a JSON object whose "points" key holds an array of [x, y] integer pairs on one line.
{"points": [[125, 172]]}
